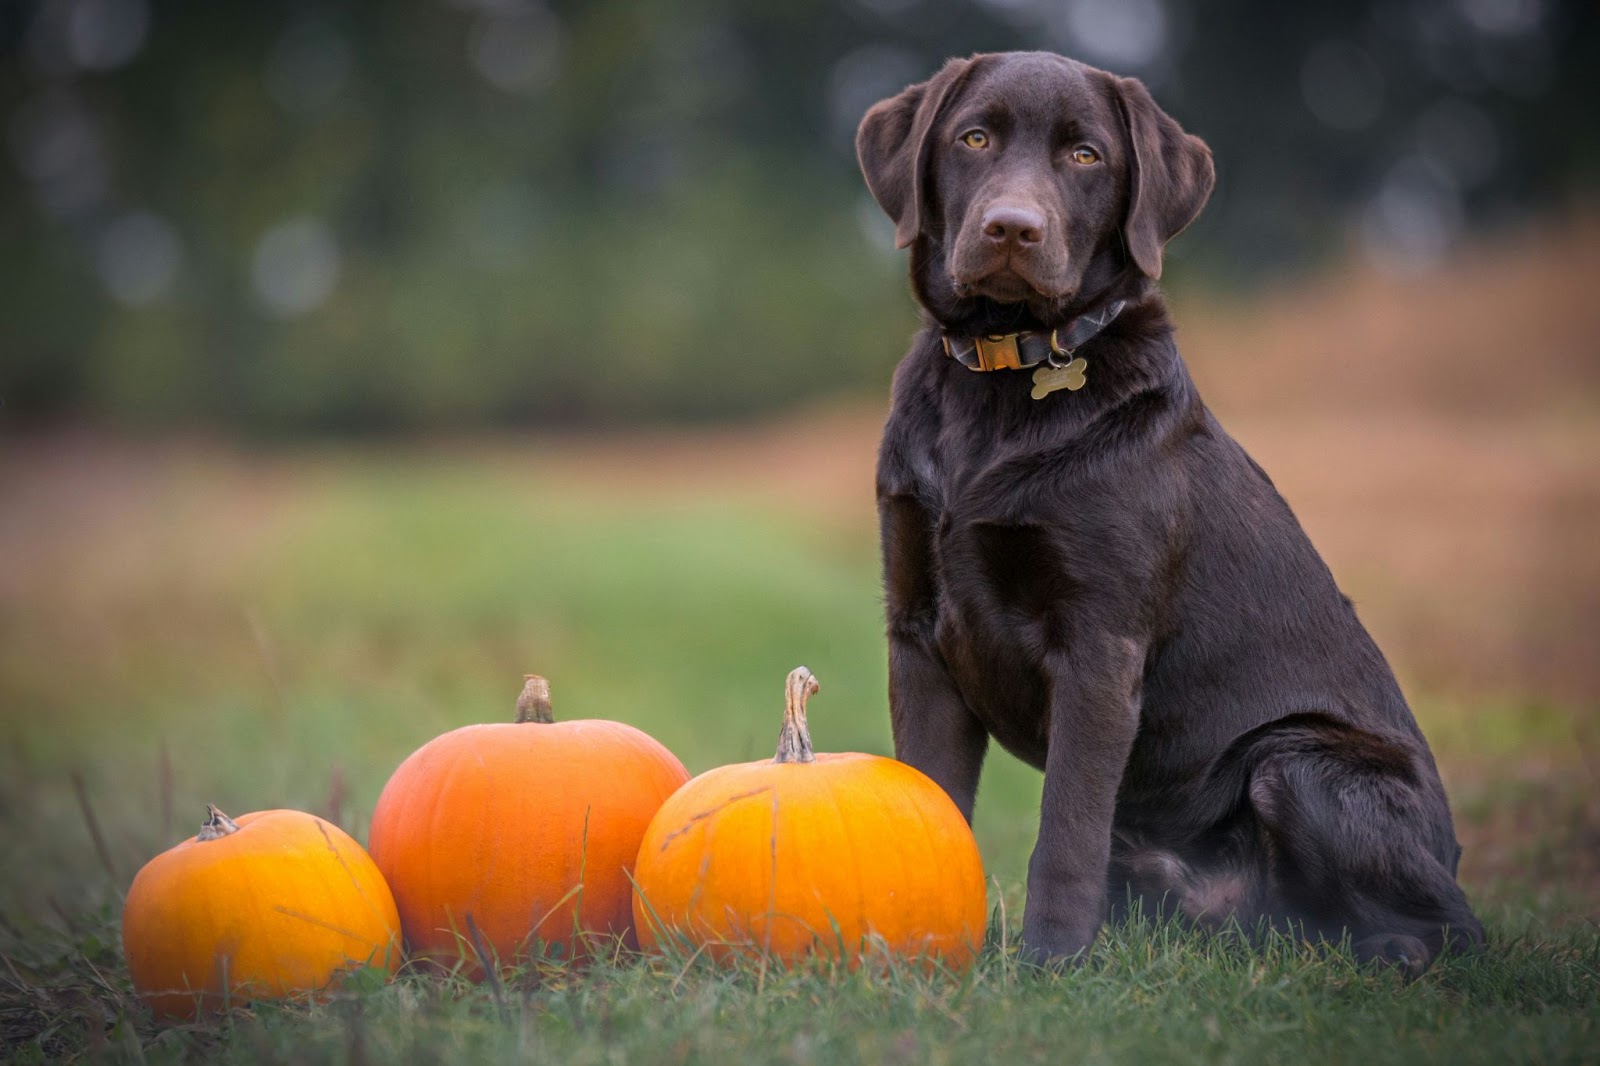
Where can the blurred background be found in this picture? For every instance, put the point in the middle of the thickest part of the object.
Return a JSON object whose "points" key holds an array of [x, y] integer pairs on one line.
{"points": [[284, 218], [357, 358]]}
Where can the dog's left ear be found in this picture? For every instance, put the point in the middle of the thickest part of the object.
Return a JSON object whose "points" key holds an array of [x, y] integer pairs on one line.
{"points": [[892, 146], [1170, 175]]}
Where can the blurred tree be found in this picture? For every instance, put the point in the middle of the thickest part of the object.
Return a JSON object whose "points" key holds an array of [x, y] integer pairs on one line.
{"points": [[349, 216]]}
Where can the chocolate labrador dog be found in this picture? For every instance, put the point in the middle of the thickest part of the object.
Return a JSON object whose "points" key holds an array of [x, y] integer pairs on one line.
{"points": [[1080, 562]]}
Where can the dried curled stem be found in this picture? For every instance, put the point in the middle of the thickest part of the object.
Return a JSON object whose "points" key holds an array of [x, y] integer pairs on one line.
{"points": [[534, 703], [217, 825], [794, 741]]}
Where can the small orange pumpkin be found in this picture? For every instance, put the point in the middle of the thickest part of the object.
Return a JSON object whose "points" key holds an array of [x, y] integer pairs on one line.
{"points": [[265, 906], [841, 854], [515, 831]]}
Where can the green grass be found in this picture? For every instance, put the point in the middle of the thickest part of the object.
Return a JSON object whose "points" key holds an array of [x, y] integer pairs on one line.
{"points": [[289, 644], [1150, 992]]}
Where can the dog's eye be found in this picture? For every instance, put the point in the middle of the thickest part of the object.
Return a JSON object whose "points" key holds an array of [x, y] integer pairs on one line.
{"points": [[975, 139], [1085, 156]]}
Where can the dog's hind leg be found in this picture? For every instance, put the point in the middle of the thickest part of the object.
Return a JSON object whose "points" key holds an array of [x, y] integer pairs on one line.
{"points": [[1359, 840]]}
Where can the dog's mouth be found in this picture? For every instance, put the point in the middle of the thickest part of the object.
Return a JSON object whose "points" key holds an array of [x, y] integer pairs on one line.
{"points": [[1006, 285], [1003, 286], [979, 290], [1002, 302]]}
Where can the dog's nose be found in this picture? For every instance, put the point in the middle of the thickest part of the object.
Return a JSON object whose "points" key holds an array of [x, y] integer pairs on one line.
{"points": [[1010, 224]]}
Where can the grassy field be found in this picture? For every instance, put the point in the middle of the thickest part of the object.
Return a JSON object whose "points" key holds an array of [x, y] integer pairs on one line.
{"points": [[183, 621]]}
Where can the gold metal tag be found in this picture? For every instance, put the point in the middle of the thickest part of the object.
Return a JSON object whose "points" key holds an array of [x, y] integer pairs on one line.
{"points": [[998, 353], [1048, 379]]}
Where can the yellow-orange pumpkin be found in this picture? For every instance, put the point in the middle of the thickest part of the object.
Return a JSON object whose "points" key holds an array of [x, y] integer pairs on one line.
{"points": [[528, 828], [842, 854], [268, 905]]}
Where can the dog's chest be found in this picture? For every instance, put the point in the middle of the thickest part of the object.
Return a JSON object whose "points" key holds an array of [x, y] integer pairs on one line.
{"points": [[1001, 576], [1027, 541], [991, 625]]}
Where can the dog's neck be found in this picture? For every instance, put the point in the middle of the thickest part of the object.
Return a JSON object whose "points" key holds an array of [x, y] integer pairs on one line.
{"points": [[1025, 349], [1131, 355]]}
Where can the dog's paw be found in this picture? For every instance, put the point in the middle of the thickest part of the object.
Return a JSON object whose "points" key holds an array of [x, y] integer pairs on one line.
{"points": [[1406, 954], [1030, 958], [1056, 950]]}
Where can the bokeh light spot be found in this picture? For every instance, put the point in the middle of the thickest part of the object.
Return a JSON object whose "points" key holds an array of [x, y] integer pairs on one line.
{"points": [[296, 266], [308, 67], [1415, 217], [517, 51], [1462, 137], [863, 77], [1503, 17], [1342, 85], [138, 257], [1126, 35], [106, 34], [57, 144]]}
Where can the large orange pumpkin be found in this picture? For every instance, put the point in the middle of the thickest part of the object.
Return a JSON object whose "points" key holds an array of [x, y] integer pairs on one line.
{"points": [[843, 854], [493, 836], [268, 905]]}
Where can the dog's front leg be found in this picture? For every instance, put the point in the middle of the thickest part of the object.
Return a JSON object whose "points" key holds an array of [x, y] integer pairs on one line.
{"points": [[1094, 714], [934, 729]]}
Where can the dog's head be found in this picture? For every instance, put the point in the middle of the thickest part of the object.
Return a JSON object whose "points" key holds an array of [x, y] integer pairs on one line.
{"points": [[1029, 184]]}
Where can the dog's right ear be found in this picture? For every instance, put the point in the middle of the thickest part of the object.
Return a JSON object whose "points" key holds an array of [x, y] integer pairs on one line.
{"points": [[892, 146]]}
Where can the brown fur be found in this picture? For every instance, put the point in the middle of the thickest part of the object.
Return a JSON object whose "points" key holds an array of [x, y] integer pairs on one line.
{"points": [[1103, 581]]}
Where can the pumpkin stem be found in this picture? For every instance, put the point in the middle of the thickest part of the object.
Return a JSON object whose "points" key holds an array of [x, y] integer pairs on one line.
{"points": [[794, 741], [217, 825], [534, 703]]}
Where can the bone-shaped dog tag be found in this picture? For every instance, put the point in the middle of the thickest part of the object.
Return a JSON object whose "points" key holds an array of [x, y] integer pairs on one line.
{"points": [[1048, 379]]}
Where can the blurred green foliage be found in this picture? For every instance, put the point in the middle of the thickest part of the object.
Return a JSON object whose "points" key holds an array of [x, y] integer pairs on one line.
{"points": [[347, 216]]}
